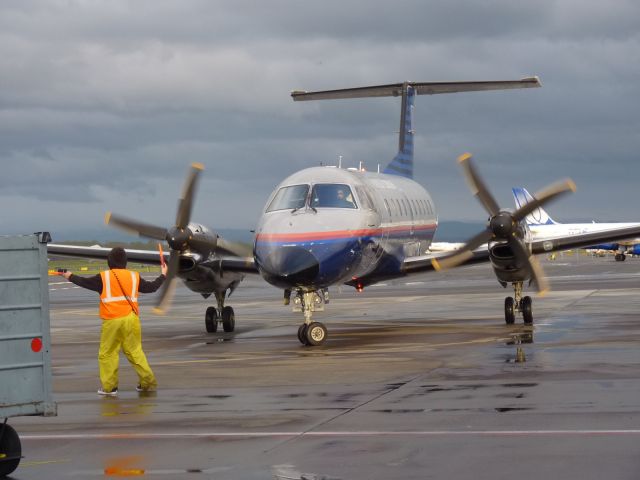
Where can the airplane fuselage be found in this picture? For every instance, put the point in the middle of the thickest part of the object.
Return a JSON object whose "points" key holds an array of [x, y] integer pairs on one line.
{"points": [[308, 238]]}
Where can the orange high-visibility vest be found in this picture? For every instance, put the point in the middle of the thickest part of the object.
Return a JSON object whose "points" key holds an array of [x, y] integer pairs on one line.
{"points": [[113, 299]]}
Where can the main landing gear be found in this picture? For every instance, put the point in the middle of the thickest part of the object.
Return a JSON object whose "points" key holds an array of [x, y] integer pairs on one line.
{"points": [[223, 315], [311, 333], [620, 257], [518, 304]]}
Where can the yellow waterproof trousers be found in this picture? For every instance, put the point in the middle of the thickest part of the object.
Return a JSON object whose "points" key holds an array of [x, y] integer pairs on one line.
{"points": [[125, 333]]}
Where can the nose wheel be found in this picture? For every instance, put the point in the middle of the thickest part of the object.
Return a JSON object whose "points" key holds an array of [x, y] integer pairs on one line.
{"points": [[518, 304], [311, 333]]}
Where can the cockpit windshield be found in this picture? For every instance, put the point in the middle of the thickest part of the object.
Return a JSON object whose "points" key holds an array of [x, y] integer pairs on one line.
{"points": [[289, 198], [332, 195]]}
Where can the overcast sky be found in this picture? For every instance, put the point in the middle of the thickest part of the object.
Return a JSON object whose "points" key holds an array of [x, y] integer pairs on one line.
{"points": [[103, 105]]}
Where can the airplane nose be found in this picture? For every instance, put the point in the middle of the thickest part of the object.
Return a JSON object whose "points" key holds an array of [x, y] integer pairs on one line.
{"points": [[291, 267]]}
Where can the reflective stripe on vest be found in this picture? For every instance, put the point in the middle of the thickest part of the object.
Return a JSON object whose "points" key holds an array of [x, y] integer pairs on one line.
{"points": [[113, 300]]}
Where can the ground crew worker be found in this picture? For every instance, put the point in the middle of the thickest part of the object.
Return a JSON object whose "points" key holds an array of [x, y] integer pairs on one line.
{"points": [[118, 289]]}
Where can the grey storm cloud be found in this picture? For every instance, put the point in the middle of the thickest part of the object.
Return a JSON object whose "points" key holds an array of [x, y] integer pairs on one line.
{"points": [[103, 105]]}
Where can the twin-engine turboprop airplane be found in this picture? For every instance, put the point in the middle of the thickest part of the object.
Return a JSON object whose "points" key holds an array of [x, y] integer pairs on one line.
{"points": [[327, 226]]}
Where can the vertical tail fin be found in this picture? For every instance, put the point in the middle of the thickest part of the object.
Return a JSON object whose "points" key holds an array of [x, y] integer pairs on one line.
{"points": [[402, 163], [539, 216]]}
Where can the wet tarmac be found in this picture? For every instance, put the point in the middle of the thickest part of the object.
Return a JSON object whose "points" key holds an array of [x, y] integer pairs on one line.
{"points": [[419, 378]]}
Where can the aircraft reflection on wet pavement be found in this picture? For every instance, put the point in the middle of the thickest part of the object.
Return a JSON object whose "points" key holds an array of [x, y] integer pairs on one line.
{"points": [[326, 226]]}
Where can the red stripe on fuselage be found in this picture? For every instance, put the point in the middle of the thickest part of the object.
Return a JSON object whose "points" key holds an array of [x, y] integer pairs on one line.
{"points": [[366, 232]]}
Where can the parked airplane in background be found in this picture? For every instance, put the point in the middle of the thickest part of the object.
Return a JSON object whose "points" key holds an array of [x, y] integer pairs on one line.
{"points": [[540, 224], [326, 226]]}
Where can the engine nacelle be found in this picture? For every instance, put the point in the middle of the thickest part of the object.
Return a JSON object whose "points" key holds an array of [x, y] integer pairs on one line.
{"points": [[505, 265], [187, 263]]}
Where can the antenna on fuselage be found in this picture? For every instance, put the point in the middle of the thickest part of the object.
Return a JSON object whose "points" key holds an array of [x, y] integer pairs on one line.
{"points": [[339, 161]]}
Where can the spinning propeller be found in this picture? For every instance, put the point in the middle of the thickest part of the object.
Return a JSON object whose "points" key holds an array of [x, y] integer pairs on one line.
{"points": [[503, 224], [179, 237]]}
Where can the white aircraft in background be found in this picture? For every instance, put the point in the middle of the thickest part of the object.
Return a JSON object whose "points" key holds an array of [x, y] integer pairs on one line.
{"points": [[326, 226], [542, 226]]}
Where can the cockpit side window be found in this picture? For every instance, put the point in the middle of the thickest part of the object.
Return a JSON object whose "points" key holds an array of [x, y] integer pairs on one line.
{"points": [[332, 195], [289, 198], [364, 198]]}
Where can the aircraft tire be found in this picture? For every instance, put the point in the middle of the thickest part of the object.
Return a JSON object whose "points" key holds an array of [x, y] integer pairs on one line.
{"points": [[527, 310], [302, 334], [10, 449], [509, 311], [316, 334], [228, 319], [211, 320]]}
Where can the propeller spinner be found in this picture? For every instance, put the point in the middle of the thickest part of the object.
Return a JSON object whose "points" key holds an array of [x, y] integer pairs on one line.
{"points": [[503, 224]]}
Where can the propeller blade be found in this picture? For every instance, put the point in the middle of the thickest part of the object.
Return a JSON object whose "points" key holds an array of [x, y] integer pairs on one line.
{"points": [[134, 226], [464, 254], [537, 274], [544, 196], [186, 201], [477, 185], [168, 287]]}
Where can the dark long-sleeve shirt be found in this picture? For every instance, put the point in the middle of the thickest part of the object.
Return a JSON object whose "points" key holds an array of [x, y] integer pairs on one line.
{"points": [[95, 283]]}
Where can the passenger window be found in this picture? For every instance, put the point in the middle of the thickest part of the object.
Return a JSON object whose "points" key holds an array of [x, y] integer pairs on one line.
{"points": [[289, 198], [332, 195]]}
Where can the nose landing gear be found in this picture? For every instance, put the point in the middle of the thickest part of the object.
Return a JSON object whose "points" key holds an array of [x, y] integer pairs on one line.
{"points": [[518, 304], [311, 333]]}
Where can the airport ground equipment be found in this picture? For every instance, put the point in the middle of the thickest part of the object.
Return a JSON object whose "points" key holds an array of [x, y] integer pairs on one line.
{"points": [[25, 343]]}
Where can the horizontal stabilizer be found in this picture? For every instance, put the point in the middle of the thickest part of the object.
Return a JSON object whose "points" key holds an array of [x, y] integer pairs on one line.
{"points": [[420, 88]]}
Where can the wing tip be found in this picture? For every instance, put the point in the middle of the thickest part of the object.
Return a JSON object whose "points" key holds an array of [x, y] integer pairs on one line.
{"points": [[197, 166], [107, 218], [159, 311]]}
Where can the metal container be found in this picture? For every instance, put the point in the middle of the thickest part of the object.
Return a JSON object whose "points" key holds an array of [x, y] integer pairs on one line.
{"points": [[25, 343]]}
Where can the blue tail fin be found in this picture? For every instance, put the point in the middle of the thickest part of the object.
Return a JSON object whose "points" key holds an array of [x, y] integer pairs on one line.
{"points": [[402, 163], [539, 216]]}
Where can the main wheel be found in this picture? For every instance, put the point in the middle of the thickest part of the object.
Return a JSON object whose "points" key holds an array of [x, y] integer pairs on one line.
{"points": [[228, 319], [509, 311], [316, 334], [620, 257], [10, 450], [302, 334], [527, 311], [211, 319]]}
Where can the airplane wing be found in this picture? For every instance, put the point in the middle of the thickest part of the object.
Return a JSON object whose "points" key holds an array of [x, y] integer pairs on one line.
{"points": [[151, 257], [228, 261], [424, 263]]}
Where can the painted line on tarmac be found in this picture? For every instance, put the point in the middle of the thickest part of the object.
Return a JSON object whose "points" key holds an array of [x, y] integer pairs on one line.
{"points": [[364, 433]]}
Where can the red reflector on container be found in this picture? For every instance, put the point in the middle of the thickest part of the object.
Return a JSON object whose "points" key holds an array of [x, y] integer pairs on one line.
{"points": [[36, 345]]}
